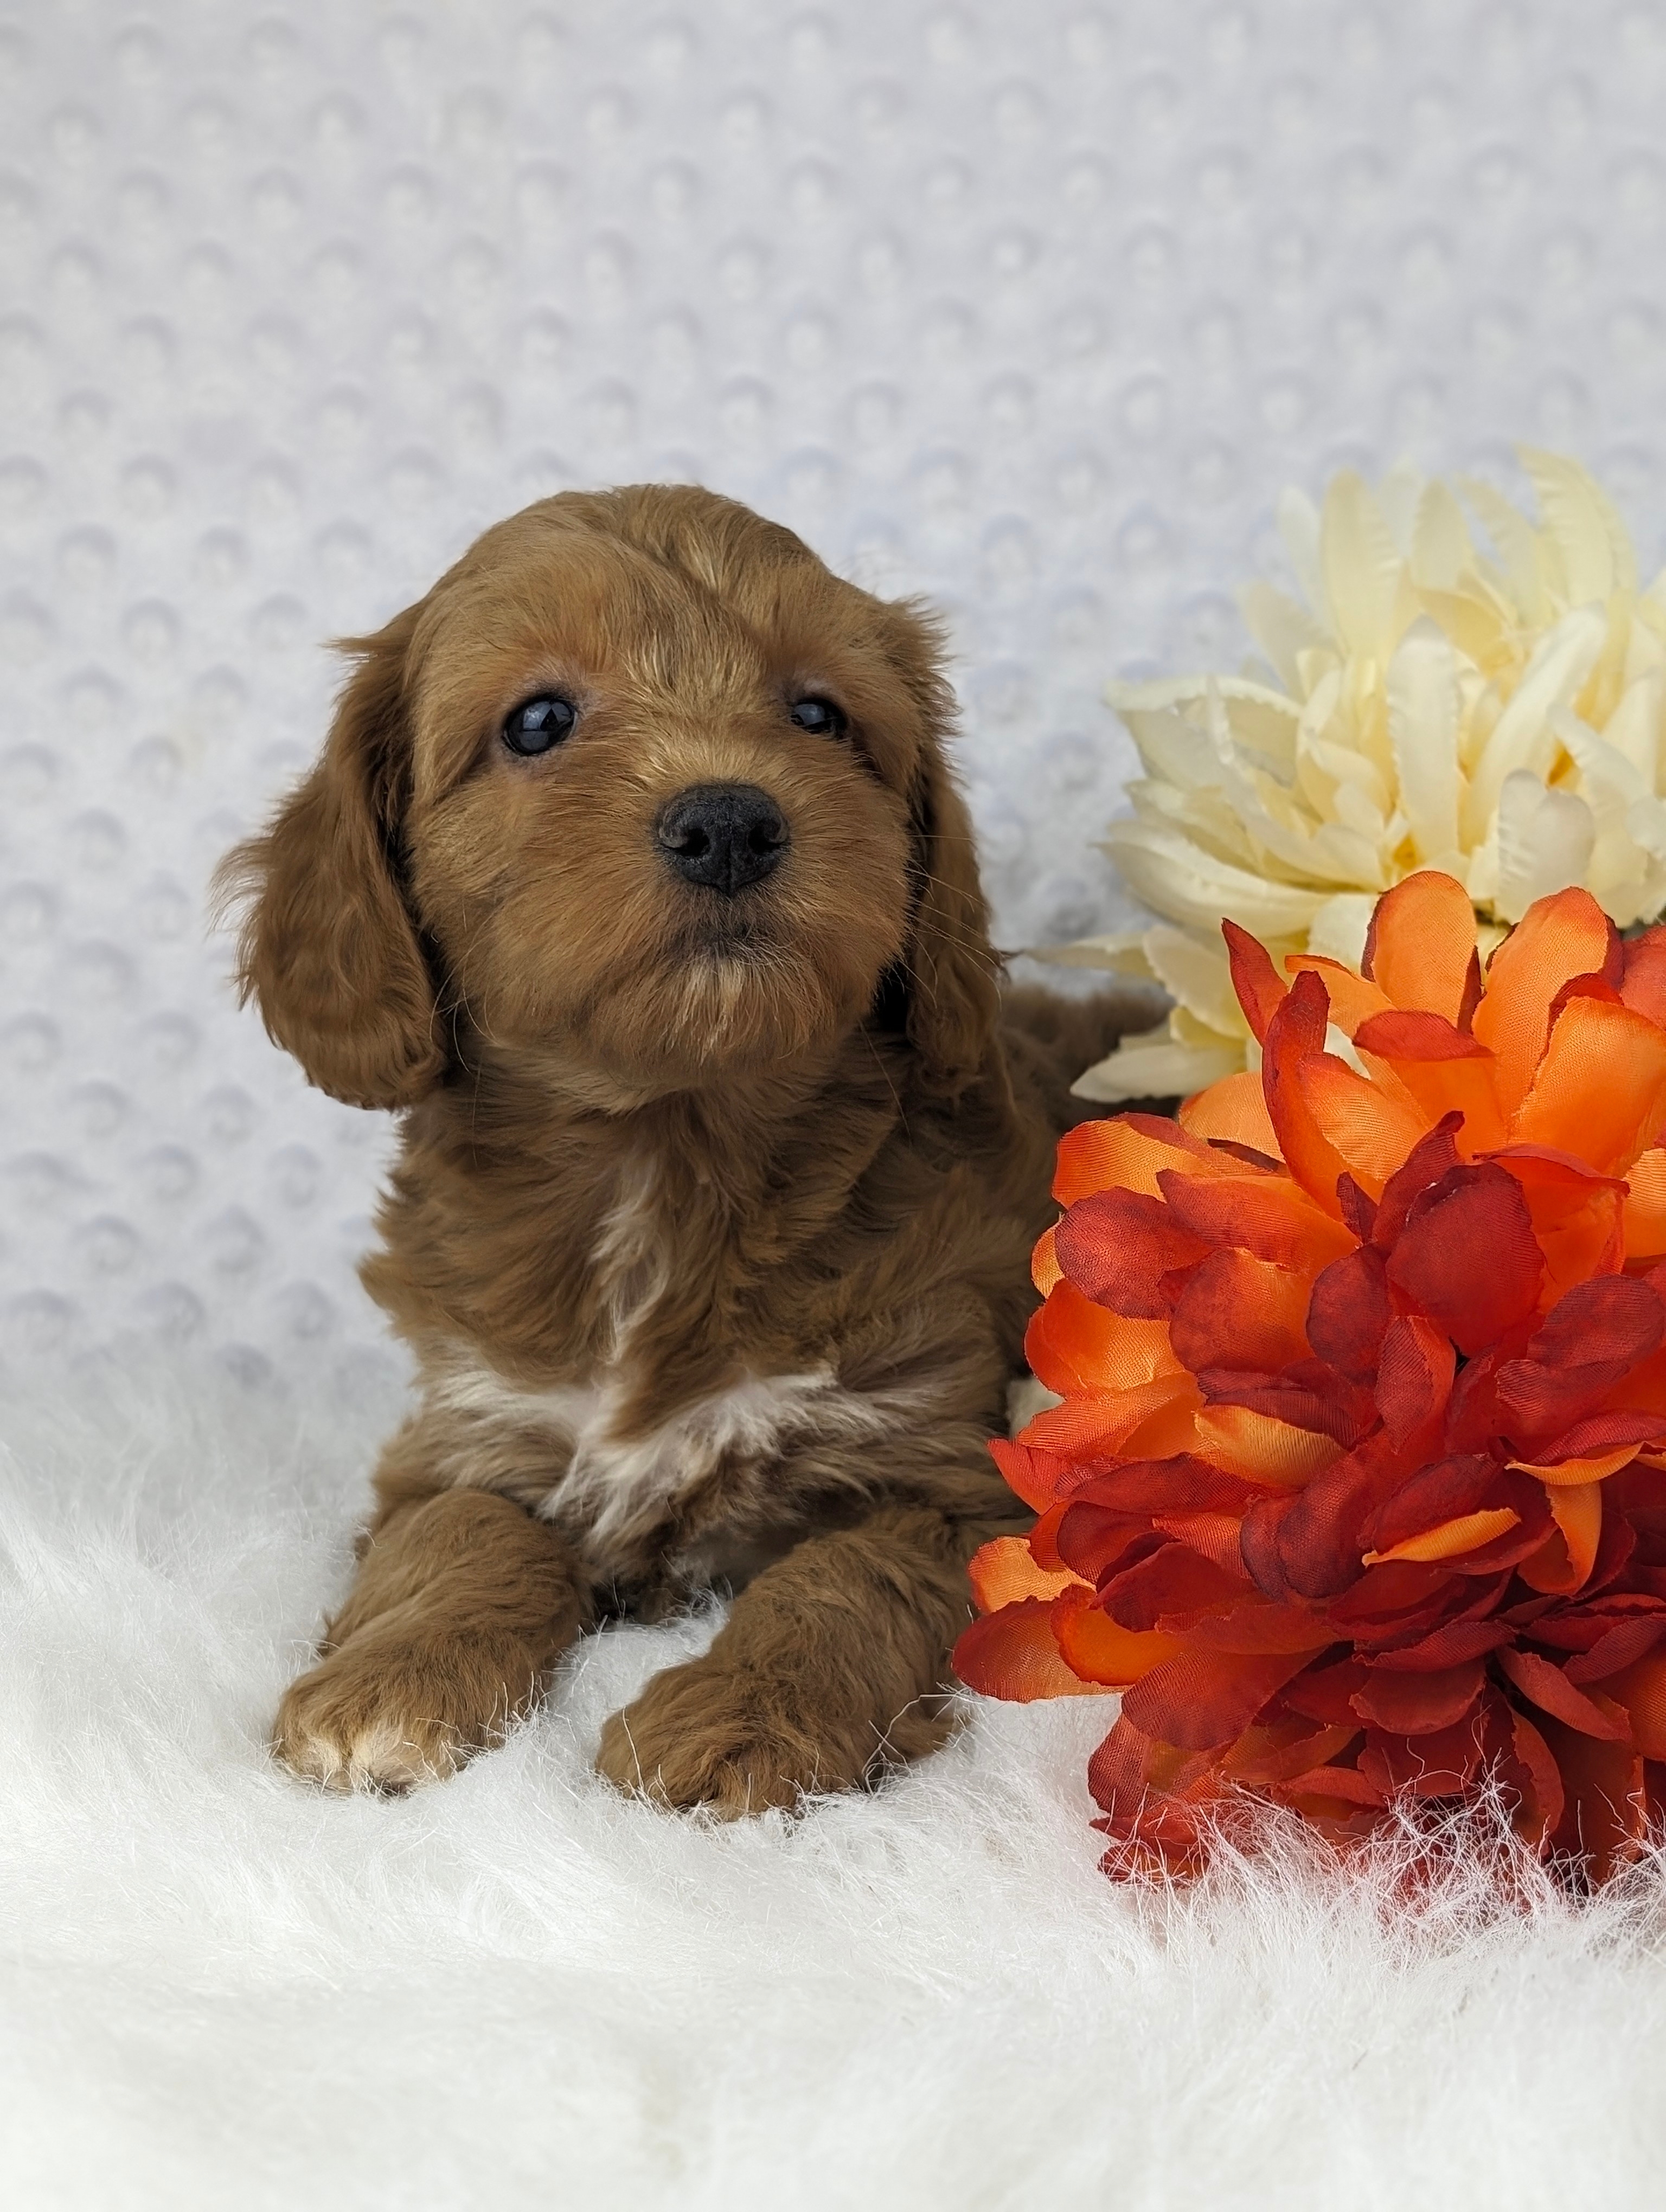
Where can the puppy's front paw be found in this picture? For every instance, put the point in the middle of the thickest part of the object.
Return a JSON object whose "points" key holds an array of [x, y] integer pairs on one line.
{"points": [[737, 1742], [383, 1716]]}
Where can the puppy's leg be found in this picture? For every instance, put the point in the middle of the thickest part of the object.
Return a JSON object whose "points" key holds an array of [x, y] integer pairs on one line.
{"points": [[830, 1662], [463, 1602]]}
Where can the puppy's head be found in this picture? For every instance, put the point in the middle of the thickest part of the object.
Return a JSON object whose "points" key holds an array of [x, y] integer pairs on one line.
{"points": [[639, 788]]}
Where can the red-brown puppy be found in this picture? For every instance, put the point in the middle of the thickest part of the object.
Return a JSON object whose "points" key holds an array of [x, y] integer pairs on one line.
{"points": [[633, 875]]}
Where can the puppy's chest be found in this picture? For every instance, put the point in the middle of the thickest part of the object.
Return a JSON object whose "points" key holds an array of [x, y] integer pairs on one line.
{"points": [[664, 1426]]}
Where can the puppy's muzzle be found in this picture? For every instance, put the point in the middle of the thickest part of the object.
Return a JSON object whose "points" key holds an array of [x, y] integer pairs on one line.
{"points": [[724, 835]]}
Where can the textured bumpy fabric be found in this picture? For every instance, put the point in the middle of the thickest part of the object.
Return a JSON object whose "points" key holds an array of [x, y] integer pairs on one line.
{"points": [[1031, 309]]}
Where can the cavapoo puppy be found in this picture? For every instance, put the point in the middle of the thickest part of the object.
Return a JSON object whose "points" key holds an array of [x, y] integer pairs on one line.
{"points": [[632, 876]]}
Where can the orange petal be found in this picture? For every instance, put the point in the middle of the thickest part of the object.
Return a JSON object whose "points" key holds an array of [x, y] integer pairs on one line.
{"points": [[1099, 1649], [1013, 1654], [1467, 1533], [1074, 1346], [1270, 1216], [1645, 1206], [1600, 1089], [1557, 938], [1577, 1473], [1420, 949], [1371, 1131], [1352, 1000], [1004, 1571], [1234, 1110], [1244, 1441], [1436, 1088], [1098, 1426], [1032, 1476], [1044, 1268], [1127, 1151], [1563, 1563]]}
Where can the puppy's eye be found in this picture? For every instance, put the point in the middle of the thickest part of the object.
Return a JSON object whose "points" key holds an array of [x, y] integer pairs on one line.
{"points": [[819, 715], [537, 724]]}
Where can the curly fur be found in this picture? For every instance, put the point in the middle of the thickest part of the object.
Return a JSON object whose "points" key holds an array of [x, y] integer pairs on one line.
{"points": [[710, 1227]]}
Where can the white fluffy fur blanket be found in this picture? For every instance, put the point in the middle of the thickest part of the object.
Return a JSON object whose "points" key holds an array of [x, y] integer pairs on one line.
{"points": [[220, 1990]]}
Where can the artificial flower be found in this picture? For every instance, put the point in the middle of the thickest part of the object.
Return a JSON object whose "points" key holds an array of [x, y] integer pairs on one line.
{"points": [[1500, 718], [1357, 1483]]}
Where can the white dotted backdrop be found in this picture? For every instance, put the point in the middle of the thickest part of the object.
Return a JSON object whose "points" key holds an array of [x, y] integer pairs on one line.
{"points": [[1031, 306]]}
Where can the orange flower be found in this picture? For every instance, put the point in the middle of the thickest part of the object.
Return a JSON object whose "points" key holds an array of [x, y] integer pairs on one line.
{"points": [[1357, 1487]]}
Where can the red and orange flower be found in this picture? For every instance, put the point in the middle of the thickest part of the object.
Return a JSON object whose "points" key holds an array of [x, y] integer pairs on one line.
{"points": [[1358, 1488]]}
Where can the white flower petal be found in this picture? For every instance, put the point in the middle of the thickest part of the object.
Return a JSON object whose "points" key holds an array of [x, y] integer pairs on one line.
{"points": [[1301, 529], [1425, 710], [1366, 586], [1520, 739], [1176, 878], [1284, 631], [1441, 549], [1398, 494], [1635, 726], [1156, 1067], [1338, 932], [1546, 838], [1590, 541], [1519, 546], [1123, 954], [1198, 976]]}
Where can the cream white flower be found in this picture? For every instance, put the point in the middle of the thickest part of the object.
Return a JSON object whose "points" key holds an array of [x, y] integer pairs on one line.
{"points": [[1498, 714]]}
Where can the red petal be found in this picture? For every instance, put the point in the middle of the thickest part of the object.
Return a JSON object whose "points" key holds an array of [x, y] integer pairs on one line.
{"points": [[1169, 1587], [1260, 988], [1296, 1032], [1240, 1314], [1091, 1540], [1433, 1494], [1644, 986], [1326, 1692], [1349, 1312], [1622, 1646], [1438, 1764], [1419, 1036], [1429, 1159], [1319, 1539], [1467, 1256], [1182, 1483], [1206, 1698], [1601, 1432], [1414, 1373], [1605, 1812], [1542, 1682], [1538, 1780], [1419, 1703], [1591, 1338], [1116, 1246], [1446, 1646]]}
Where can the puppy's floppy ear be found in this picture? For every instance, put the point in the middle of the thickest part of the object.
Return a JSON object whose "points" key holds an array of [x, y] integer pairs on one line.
{"points": [[328, 945], [954, 970]]}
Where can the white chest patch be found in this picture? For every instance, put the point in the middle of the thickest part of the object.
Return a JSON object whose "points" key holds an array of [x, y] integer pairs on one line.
{"points": [[612, 1482]]}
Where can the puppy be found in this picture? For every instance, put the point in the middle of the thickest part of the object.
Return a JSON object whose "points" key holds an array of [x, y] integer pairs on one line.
{"points": [[633, 878]]}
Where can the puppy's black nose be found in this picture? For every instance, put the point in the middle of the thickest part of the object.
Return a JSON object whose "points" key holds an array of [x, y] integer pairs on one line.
{"points": [[726, 835]]}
